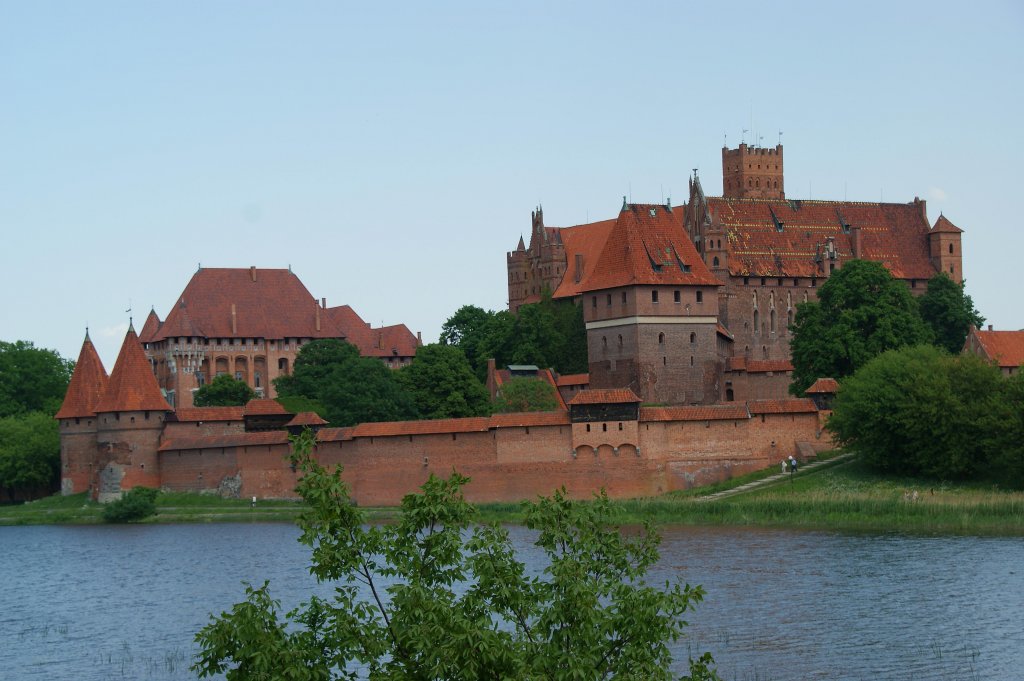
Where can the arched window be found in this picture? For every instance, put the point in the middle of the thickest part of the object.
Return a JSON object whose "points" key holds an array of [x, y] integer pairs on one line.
{"points": [[604, 342], [729, 395], [789, 317], [951, 249], [771, 317], [757, 183], [749, 184], [714, 262], [620, 340], [661, 339], [757, 320], [693, 337]]}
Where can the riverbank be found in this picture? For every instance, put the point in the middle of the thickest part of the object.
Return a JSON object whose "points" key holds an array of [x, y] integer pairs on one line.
{"points": [[840, 495]]}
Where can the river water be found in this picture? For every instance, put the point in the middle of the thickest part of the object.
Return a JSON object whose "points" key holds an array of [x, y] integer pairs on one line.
{"points": [[113, 602]]}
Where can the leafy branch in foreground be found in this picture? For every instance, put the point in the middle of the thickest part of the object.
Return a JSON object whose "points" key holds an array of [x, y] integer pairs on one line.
{"points": [[437, 596]]}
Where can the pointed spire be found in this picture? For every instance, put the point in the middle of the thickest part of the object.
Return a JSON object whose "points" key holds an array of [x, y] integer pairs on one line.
{"points": [[87, 385], [522, 244], [132, 385]]}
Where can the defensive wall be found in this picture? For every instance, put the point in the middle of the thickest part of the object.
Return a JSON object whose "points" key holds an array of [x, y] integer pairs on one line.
{"points": [[508, 457]]}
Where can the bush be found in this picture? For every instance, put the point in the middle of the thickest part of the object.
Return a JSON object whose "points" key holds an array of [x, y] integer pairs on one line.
{"points": [[136, 504]]}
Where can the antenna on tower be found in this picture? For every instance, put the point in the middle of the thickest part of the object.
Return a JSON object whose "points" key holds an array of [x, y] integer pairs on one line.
{"points": [[743, 137], [780, 138]]}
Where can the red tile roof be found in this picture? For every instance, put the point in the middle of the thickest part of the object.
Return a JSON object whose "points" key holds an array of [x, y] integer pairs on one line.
{"points": [[695, 413], [334, 434], [788, 406], [760, 366], [944, 225], [605, 396], [264, 407], [268, 303], [88, 383], [150, 328], [191, 414], [648, 246], [824, 385], [269, 437], [132, 385], [587, 241], [389, 341], [574, 379], [1004, 347], [306, 418], [894, 234]]}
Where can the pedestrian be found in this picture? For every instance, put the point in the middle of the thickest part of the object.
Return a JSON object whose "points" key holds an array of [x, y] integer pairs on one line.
{"points": [[253, 502], [784, 466], [792, 465]]}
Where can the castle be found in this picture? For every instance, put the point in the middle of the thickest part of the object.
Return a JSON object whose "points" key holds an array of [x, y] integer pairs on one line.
{"points": [[693, 304], [250, 324], [686, 306]]}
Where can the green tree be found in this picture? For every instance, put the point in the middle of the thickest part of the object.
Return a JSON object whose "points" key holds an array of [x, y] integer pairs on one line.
{"points": [[351, 389], [31, 379], [443, 385], [861, 312], [1005, 437], [438, 596], [919, 411], [949, 312], [526, 394], [465, 329], [29, 456], [224, 391]]}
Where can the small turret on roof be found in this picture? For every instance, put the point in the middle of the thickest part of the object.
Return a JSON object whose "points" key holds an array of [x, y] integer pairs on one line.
{"points": [[824, 385], [944, 225], [88, 383], [132, 385]]}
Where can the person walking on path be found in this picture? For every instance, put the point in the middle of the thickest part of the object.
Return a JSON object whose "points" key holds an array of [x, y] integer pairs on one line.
{"points": [[784, 466]]}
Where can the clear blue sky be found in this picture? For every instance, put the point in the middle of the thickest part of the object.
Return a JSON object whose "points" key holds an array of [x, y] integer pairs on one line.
{"points": [[391, 153]]}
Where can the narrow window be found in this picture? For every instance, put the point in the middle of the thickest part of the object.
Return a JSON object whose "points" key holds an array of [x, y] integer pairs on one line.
{"points": [[661, 339], [609, 300], [700, 296], [593, 301], [951, 249], [676, 296], [693, 337], [623, 297], [654, 296], [714, 261], [604, 427]]}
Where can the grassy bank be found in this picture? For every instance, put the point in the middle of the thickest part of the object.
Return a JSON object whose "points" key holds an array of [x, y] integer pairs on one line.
{"points": [[840, 496]]}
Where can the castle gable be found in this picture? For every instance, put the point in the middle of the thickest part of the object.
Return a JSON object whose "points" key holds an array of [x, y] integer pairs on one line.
{"points": [[88, 383], [789, 238], [648, 246]]}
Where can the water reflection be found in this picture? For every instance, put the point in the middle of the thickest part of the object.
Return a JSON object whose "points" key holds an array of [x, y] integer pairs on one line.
{"points": [[124, 602]]}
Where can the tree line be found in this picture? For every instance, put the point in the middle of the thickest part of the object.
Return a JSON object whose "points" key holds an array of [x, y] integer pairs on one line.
{"points": [[32, 386]]}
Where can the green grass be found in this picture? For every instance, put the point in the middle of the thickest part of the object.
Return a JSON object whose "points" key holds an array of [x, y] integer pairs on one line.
{"points": [[842, 495]]}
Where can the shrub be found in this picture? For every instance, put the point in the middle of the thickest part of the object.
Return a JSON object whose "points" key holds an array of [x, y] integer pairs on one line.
{"points": [[136, 504]]}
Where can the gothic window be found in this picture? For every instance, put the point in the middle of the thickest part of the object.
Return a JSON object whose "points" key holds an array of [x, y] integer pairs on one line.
{"points": [[789, 317], [693, 337], [661, 339], [951, 249], [771, 316], [757, 320], [757, 183], [620, 340], [714, 262], [729, 395]]}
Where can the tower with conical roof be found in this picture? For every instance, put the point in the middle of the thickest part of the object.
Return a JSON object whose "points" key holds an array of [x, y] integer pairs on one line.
{"points": [[130, 420], [78, 421]]}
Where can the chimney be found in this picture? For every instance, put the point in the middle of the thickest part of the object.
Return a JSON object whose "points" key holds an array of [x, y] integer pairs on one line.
{"points": [[323, 303], [579, 268], [989, 327], [252, 272], [234, 321], [419, 338], [858, 242], [317, 315]]}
